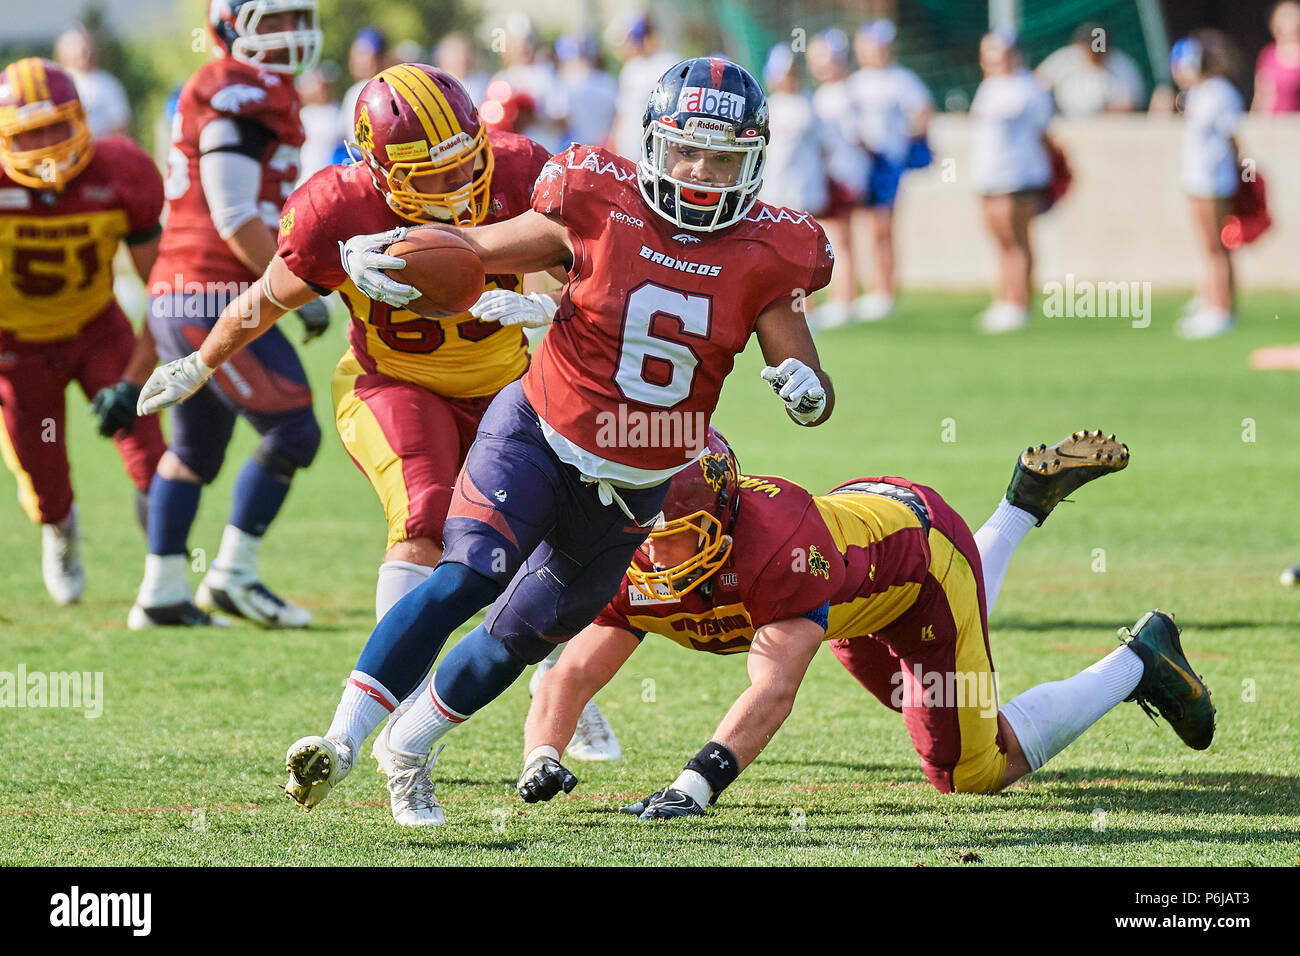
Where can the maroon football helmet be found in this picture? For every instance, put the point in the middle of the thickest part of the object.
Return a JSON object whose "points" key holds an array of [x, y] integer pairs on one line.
{"points": [[37, 95], [414, 121], [702, 499]]}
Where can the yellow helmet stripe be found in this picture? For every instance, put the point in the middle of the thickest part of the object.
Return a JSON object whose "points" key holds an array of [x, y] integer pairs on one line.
{"points": [[433, 114], [42, 80], [448, 114], [23, 72]]}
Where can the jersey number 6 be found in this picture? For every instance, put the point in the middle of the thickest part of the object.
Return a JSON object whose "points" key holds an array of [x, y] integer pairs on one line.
{"points": [[654, 369]]}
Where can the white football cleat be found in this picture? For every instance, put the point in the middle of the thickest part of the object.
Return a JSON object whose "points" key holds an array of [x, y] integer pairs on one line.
{"points": [[1291, 576], [315, 765], [873, 307], [410, 789], [243, 595], [65, 578], [181, 614], [593, 739]]}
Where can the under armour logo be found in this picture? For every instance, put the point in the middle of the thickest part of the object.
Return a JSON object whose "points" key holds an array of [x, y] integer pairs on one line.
{"points": [[722, 764], [499, 494]]}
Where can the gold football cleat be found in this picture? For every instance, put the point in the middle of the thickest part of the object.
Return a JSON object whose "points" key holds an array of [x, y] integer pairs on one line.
{"points": [[1046, 474]]}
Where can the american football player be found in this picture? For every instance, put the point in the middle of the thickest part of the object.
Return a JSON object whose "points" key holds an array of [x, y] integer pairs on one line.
{"points": [[888, 573], [66, 203], [233, 162], [672, 264]]}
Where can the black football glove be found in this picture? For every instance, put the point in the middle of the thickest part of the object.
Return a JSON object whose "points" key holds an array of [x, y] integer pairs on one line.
{"points": [[115, 407], [543, 779], [315, 316], [664, 805]]}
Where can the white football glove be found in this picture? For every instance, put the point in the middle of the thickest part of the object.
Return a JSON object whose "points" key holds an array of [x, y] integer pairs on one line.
{"points": [[172, 383], [362, 259], [531, 311], [798, 386]]}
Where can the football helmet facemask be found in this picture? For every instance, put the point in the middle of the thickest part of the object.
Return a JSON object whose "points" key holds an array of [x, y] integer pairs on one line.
{"points": [[235, 27], [702, 501], [414, 121], [36, 95], [707, 121]]}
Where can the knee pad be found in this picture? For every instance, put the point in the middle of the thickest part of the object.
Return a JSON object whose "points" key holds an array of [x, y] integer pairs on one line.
{"points": [[205, 461], [289, 444]]}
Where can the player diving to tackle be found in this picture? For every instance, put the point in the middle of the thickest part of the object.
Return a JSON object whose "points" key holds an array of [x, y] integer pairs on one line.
{"points": [[672, 263], [887, 572]]}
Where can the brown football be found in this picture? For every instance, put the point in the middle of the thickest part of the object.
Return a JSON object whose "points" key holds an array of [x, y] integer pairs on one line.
{"points": [[445, 269]]}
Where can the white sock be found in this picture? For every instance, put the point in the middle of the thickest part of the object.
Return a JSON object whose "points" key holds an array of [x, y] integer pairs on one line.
{"points": [[164, 580], [238, 552], [693, 784], [365, 705], [997, 541], [1047, 718], [396, 580], [427, 722]]}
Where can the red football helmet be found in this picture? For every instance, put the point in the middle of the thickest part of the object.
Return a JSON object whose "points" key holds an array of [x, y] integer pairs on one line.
{"points": [[702, 499], [414, 121], [236, 27], [35, 96]]}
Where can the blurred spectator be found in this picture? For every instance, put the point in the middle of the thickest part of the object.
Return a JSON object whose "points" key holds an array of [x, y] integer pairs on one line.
{"points": [[1090, 77], [893, 109], [409, 51], [320, 119], [527, 86], [1212, 110], [108, 110], [828, 63], [588, 94], [637, 44], [1277, 71], [1011, 170], [367, 57], [455, 54], [809, 166]]}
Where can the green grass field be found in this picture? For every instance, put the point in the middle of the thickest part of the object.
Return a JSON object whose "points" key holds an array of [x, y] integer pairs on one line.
{"points": [[185, 766]]}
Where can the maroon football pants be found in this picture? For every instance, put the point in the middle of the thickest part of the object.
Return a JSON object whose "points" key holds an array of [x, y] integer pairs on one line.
{"points": [[33, 379]]}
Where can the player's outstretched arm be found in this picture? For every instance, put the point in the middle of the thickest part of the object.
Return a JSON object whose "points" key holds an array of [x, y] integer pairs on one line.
{"points": [[793, 367], [588, 663], [778, 659], [243, 319]]}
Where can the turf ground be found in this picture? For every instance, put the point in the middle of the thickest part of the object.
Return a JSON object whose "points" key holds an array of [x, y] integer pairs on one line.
{"points": [[185, 764]]}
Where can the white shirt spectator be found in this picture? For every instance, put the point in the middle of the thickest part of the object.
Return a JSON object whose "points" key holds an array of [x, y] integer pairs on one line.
{"points": [[104, 100], [321, 123], [832, 103], [804, 154], [1212, 111], [636, 81], [1082, 87], [886, 101], [1010, 115], [589, 98]]}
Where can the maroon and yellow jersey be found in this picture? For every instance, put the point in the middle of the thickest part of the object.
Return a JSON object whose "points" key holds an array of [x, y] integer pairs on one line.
{"points": [[56, 249], [456, 357], [191, 247], [653, 316], [862, 549]]}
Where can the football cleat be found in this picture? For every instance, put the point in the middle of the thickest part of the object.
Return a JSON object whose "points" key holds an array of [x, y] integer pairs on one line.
{"points": [[379, 749], [593, 738], [1045, 475], [544, 778], [410, 789], [1168, 681], [664, 805], [1205, 324], [245, 596], [315, 765], [65, 578], [181, 614], [1291, 576], [1002, 317]]}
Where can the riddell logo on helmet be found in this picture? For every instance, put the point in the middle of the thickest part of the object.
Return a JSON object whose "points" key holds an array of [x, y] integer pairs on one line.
{"points": [[719, 103], [455, 144]]}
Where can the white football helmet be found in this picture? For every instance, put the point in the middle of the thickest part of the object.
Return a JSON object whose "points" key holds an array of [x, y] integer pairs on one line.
{"points": [[236, 27]]}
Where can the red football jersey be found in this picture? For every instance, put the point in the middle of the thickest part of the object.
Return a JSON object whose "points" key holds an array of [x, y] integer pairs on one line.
{"points": [[863, 554], [653, 316], [459, 356], [56, 249], [191, 248]]}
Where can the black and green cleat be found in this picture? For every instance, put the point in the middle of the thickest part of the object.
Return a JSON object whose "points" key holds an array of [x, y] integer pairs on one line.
{"points": [[1168, 681], [1046, 474]]}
